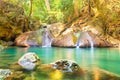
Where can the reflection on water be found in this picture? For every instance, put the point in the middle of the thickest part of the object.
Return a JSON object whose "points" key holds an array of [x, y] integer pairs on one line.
{"points": [[104, 58]]}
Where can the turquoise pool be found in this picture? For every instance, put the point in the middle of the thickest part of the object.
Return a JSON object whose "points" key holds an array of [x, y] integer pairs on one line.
{"points": [[104, 58]]}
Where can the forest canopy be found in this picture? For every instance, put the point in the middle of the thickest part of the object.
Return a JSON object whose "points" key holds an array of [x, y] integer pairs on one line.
{"points": [[50, 11], [102, 13]]}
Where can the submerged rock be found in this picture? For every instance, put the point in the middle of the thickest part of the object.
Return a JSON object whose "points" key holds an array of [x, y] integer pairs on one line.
{"points": [[16, 67], [1, 47], [29, 61], [18, 75], [5, 73], [66, 66]]}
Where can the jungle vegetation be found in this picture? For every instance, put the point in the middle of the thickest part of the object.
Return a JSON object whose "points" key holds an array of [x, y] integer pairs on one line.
{"points": [[18, 16]]}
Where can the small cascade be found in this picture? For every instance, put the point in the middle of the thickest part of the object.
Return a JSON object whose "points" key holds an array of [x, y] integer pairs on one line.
{"points": [[78, 42], [82, 37], [90, 40], [47, 38]]}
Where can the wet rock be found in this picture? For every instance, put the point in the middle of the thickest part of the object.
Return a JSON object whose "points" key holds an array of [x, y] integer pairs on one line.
{"points": [[1, 47], [29, 61], [16, 67], [88, 39], [85, 39], [47, 38], [31, 38], [66, 66], [67, 40], [18, 75], [45, 69], [99, 41], [5, 73]]}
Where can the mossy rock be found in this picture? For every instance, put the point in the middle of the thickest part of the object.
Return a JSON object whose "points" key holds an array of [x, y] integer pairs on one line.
{"points": [[18, 75]]}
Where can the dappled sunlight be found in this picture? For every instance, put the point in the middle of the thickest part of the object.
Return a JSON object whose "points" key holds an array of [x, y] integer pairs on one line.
{"points": [[69, 56], [96, 74], [56, 75]]}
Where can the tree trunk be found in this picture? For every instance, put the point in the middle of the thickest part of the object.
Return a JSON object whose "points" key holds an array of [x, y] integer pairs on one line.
{"points": [[29, 17], [89, 8], [30, 8], [47, 5], [76, 8]]}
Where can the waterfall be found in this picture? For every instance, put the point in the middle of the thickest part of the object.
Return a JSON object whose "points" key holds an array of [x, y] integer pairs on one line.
{"points": [[89, 39], [46, 39], [82, 37], [78, 42]]}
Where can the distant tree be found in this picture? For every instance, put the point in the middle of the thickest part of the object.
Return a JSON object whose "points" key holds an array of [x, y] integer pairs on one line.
{"points": [[89, 8], [47, 5]]}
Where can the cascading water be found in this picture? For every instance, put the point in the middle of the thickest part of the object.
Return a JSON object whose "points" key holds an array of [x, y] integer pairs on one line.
{"points": [[84, 36], [47, 39], [78, 42]]}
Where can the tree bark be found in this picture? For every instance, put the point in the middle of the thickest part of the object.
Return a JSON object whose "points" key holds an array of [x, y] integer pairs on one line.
{"points": [[47, 5], [89, 8], [30, 8], [76, 8]]}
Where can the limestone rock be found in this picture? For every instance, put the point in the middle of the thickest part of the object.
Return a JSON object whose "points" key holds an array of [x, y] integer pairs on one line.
{"points": [[5, 73], [88, 39], [56, 28], [115, 42], [99, 42], [31, 38], [18, 75], [66, 66], [29, 61], [47, 38], [16, 67], [67, 40]]}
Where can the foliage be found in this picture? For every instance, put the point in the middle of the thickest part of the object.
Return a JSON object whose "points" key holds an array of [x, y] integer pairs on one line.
{"points": [[106, 12], [60, 10]]}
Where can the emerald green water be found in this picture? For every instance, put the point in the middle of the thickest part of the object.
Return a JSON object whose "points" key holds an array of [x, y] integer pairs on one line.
{"points": [[103, 58]]}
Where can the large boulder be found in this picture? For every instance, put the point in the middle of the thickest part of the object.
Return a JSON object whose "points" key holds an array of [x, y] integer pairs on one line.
{"points": [[47, 38], [56, 29], [31, 38], [66, 66], [29, 61], [88, 39], [67, 40], [99, 41]]}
